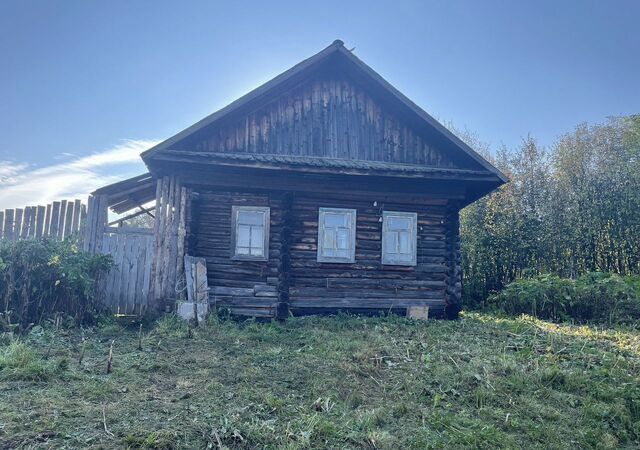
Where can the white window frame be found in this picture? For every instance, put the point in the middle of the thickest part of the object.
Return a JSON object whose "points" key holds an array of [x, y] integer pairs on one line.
{"points": [[235, 211], [351, 213], [389, 258]]}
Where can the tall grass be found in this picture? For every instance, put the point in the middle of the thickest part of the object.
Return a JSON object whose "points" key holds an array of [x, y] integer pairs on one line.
{"points": [[594, 297]]}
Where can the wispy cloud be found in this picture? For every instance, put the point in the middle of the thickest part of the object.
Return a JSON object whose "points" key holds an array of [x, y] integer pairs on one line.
{"points": [[72, 177]]}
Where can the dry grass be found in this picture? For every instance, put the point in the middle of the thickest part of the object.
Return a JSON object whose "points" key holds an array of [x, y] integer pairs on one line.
{"points": [[324, 382]]}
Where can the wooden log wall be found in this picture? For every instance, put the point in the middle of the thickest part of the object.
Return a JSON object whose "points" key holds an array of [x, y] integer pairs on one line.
{"points": [[284, 261], [453, 295], [324, 118], [37, 222], [167, 268], [247, 287], [292, 276], [368, 283]]}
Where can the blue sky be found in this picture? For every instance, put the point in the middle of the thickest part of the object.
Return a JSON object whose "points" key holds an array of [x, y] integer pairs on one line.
{"points": [[86, 85]]}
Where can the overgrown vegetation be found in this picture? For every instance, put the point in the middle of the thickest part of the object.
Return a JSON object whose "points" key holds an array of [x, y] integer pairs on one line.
{"points": [[570, 209], [324, 382], [594, 297], [42, 278]]}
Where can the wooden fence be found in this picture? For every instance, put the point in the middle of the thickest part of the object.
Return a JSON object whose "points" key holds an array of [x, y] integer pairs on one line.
{"points": [[128, 284], [126, 289], [57, 220]]}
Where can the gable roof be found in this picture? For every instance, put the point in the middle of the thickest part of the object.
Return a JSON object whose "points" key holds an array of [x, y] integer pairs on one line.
{"points": [[336, 51]]}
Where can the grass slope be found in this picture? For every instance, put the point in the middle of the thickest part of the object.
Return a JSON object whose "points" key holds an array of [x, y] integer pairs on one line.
{"points": [[324, 382]]}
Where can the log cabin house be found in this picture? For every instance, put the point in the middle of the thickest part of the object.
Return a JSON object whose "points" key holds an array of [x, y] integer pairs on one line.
{"points": [[323, 189]]}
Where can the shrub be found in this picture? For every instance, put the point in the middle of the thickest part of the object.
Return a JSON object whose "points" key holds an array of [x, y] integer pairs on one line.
{"points": [[41, 278], [594, 297]]}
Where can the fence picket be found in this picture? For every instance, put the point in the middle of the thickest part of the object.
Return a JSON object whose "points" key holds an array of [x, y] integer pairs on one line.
{"points": [[68, 219], [17, 224], [56, 220], [126, 287]]}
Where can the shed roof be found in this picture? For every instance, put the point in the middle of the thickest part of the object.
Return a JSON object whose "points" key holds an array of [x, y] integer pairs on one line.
{"points": [[130, 193]]}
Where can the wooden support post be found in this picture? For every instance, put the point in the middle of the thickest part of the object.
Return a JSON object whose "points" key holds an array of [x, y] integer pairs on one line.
{"points": [[453, 294], [169, 235], [284, 262]]}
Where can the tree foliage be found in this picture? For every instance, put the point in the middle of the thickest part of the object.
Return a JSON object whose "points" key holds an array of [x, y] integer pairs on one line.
{"points": [[570, 209]]}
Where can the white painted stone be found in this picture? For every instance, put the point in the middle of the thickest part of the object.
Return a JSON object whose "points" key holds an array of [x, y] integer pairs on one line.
{"points": [[185, 310]]}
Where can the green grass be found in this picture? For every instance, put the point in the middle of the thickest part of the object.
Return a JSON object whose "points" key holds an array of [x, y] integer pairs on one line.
{"points": [[324, 382]]}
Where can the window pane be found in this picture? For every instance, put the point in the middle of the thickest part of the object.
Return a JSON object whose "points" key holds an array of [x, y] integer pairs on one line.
{"points": [[329, 239], [244, 236], [399, 223], [403, 243], [343, 239], [257, 237], [329, 252], [251, 228], [335, 220], [336, 235], [250, 218], [399, 238], [390, 241]]}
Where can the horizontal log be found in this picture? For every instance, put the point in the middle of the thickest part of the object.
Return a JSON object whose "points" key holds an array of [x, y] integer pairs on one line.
{"points": [[353, 292], [251, 302], [231, 291], [253, 312], [310, 302], [264, 290]]}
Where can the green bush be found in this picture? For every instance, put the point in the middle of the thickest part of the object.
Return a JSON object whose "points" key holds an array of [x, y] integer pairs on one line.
{"points": [[42, 278], [594, 297]]}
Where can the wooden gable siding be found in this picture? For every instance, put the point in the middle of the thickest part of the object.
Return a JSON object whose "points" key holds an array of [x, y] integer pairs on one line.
{"points": [[250, 287], [325, 118]]}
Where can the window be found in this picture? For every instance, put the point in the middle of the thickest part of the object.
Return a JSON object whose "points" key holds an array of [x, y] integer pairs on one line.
{"points": [[399, 238], [337, 235], [251, 232]]}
